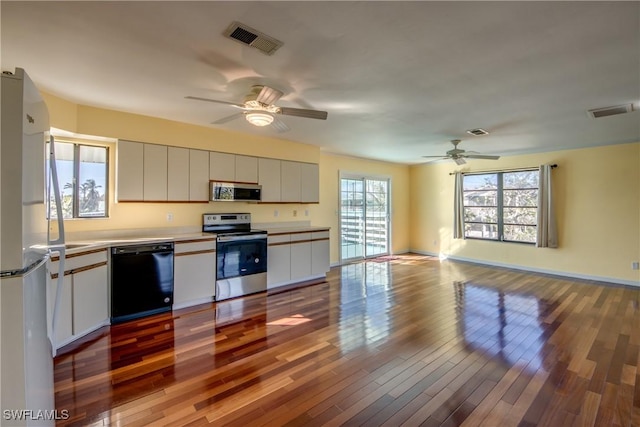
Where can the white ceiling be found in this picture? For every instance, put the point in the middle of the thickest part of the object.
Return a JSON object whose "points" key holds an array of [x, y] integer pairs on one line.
{"points": [[399, 79]]}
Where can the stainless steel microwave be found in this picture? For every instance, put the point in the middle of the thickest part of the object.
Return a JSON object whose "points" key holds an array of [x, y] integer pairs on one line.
{"points": [[234, 192]]}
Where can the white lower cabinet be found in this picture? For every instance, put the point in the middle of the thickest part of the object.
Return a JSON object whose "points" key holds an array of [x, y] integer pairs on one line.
{"points": [[320, 253], [194, 279], [90, 299], [84, 296], [300, 256], [278, 260], [296, 257]]}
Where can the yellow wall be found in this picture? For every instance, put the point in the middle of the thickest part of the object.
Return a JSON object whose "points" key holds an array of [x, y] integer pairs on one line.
{"points": [[597, 194]]}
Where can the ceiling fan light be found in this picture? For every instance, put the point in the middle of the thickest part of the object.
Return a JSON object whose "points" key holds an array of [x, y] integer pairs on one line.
{"points": [[459, 160], [259, 118]]}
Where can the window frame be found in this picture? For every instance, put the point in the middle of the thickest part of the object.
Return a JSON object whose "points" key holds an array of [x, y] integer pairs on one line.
{"points": [[500, 207], [77, 144]]}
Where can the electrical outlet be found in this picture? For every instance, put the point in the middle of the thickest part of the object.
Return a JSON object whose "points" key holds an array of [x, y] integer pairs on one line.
{"points": [[635, 265], [169, 216], [435, 243], [306, 212], [276, 213], [295, 213]]}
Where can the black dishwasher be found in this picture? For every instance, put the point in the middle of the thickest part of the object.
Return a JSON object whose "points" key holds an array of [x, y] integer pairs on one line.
{"points": [[141, 280]]}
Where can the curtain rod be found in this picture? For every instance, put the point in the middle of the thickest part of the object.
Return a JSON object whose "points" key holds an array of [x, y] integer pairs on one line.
{"points": [[501, 170]]}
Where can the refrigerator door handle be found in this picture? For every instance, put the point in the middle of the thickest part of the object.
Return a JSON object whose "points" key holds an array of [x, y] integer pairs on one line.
{"points": [[53, 185], [57, 244]]}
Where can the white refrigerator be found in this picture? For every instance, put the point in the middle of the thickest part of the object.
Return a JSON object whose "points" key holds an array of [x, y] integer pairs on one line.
{"points": [[26, 353]]}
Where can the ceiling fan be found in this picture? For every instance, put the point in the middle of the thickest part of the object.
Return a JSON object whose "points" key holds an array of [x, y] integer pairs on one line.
{"points": [[259, 109], [458, 155]]}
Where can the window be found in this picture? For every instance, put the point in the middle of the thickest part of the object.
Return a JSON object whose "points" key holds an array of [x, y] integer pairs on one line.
{"points": [[82, 179], [501, 206]]}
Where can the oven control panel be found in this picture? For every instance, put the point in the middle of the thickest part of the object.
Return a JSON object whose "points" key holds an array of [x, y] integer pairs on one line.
{"points": [[226, 218]]}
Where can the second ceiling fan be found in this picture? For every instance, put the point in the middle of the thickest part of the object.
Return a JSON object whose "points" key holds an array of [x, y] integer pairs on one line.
{"points": [[259, 109]]}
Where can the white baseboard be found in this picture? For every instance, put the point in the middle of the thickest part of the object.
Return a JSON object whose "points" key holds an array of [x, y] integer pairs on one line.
{"points": [[536, 270]]}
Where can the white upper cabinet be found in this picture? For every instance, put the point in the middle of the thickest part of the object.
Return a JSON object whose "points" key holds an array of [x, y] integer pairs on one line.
{"points": [[309, 183], [129, 176], [290, 181], [232, 167], [178, 174], [198, 176], [222, 166], [155, 173], [152, 173], [269, 178], [246, 169]]}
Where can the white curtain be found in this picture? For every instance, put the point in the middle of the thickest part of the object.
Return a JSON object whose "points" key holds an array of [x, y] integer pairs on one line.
{"points": [[547, 230], [458, 208]]}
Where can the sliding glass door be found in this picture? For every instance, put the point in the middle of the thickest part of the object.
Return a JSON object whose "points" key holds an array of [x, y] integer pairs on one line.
{"points": [[364, 217]]}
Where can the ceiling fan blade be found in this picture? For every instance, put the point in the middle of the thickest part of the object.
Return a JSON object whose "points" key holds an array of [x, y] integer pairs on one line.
{"points": [[215, 101], [268, 95], [227, 119], [280, 126], [300, 112], [480, 156], [435, 157]]}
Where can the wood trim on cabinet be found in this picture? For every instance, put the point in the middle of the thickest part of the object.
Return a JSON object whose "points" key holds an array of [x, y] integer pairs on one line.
{"points": [[308, 240], [279, 243], [204, 251], [80, 269], [284, 233], [83, 253], [178, 242]]}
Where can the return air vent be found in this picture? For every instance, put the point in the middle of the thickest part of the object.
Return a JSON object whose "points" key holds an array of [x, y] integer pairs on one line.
{"points": [[250, 37], [610, 111], [477, 132]]}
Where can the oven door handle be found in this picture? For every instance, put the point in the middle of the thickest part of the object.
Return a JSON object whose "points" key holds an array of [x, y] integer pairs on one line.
{"points": [[237, 238]]}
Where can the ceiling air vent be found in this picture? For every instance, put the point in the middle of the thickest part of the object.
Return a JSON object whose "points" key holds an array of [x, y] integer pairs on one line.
{"points": [[477, 132], [610, 111], [251, 37]]}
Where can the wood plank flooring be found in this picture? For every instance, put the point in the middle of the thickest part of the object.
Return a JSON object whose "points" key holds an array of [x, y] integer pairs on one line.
{"points": [[409, 341]]}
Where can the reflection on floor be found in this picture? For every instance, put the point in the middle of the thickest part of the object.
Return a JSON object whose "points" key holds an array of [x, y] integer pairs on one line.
{"points": [[408, 341], [505, 326]]}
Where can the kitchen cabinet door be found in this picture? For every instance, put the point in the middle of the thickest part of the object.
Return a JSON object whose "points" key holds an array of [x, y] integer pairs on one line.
{"points": [[278, 260], [320, 253], [290, 181], [178, 174], [90, 299], [194, 273], [300, 256], [246, 169], [269, 178], [198, 175], [309, 183], [194, 279], [155, 173], [222, 166], [129, 173]]}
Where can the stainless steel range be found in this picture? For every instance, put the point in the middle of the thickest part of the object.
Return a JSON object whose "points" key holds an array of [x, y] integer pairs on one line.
{"points": [[241, 254]]}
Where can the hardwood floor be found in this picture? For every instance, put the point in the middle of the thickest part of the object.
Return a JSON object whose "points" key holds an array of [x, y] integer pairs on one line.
{"points": [[408, 341]]}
